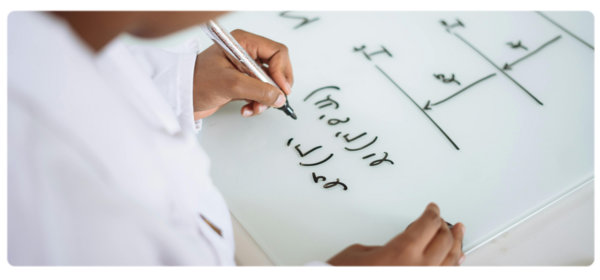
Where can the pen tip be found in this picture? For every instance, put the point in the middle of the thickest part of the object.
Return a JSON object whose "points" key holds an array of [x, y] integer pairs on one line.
{"points": [[293, 116]]}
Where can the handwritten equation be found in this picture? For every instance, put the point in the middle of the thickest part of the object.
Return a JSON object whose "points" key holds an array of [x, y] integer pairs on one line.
{"points": [[375, 53]]}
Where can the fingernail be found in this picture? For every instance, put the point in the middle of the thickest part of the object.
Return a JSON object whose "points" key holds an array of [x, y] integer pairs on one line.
{"points": [[247, 113], [289, 87], [463, 228], [280, 101], [262, 108], [462, 259]]}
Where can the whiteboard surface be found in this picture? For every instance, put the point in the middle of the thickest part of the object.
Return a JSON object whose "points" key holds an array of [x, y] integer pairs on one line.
{"points": [[515, 156]]}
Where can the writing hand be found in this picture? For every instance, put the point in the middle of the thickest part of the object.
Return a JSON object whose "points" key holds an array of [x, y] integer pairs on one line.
{"points": [[427, 241], [217, 81]]}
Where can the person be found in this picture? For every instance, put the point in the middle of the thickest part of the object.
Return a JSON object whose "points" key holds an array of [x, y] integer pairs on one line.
{"points": [[103, 164]]}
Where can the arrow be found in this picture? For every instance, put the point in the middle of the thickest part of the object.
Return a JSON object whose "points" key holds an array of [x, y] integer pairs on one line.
{"points": [[509, 66], [427, 106], [496, 66]]}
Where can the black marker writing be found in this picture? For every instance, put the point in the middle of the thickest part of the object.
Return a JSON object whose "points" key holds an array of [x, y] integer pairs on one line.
{"points": [[448, 27], [338, 134], [517, 45], [321, 117], [359, 49], [485, 57], [368, 156], [317, 163], [358, 149], [319, 89], [305, 20], [310, 151], [383, 50], [350, 140], [337, 121], [379, 161], [509, 66], [316, 178], [443, 78], [565, 30], [333, 184], [423, 111], [290, 141], [427, 106], [329, 102]]}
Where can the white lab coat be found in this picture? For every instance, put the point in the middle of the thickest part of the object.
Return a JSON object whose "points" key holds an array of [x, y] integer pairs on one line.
{"points": [[104, 167]]}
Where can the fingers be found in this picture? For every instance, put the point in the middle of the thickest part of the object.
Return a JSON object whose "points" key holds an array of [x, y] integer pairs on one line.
{"points": [[439, 247], [253, 109], [276, 55], [280, 70], [456, 255], [421, 231], [246, 87]]}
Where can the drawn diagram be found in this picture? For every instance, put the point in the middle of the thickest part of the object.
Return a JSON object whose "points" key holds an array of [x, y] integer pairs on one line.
{"points": [[565, 30], [428, 105], [509, 66]]}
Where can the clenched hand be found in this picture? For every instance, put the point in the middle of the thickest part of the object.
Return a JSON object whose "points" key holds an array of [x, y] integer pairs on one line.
{"points": [[427, 241], [217, 81]]}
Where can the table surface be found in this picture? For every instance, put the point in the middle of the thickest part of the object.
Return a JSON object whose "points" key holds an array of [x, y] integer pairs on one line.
{"points": [[560, 235]]}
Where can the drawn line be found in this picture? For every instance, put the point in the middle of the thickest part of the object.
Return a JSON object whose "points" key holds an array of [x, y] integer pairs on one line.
{"points": [[379, 161], [310, 151], [305, 20], [333, 184], [317, 163], [290, 141], [368, 156], [461, 38], [508, 66], [481, 80], [358, 149], [350, 140], [316, 90], [316, 178], [565, 30], [283, 14], [425, 113], [337, 121]]}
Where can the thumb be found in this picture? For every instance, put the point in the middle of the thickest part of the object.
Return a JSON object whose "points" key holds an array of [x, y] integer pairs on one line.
{"points": [[256, 90]]}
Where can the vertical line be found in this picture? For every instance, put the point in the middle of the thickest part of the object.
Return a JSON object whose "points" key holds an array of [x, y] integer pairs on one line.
{"points": [[419, 107], [465, 41]]}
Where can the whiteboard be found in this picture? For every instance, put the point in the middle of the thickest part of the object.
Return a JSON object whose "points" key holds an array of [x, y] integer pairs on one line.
{"points": [[489, 156]]}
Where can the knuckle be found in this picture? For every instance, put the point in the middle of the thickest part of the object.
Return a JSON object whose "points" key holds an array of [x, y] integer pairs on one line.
{"points": [[238, 32], [283, 48]]}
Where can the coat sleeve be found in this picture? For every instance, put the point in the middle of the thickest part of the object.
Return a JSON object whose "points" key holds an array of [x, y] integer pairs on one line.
{"points": [[172, 70], [64, 208]]}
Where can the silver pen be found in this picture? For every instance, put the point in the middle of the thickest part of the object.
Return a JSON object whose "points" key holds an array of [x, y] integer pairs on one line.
{"points": [[240, 58]]}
